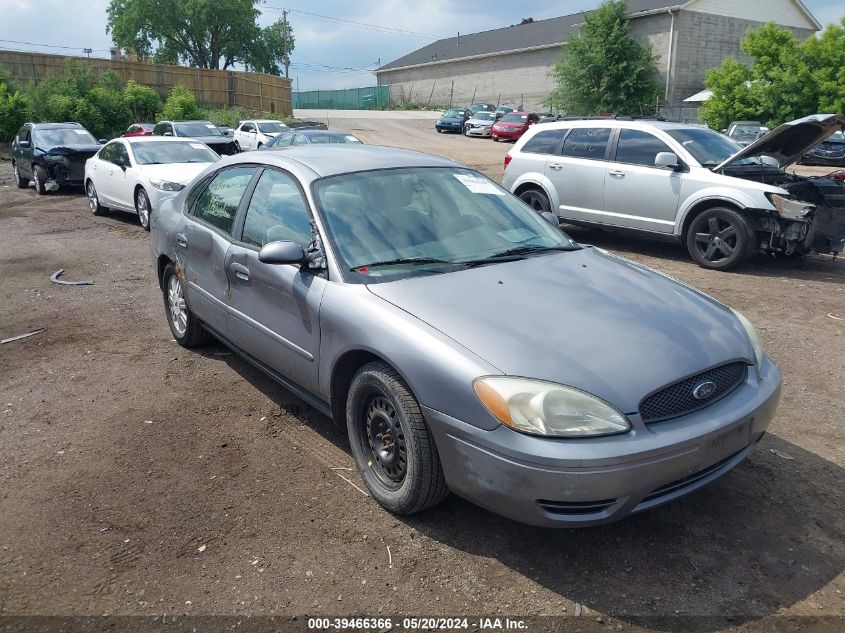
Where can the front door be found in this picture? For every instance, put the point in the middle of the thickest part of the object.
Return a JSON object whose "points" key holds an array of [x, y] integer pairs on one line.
{"points": [[637, 194], [274, 308], [578, 174], [203, 242]]}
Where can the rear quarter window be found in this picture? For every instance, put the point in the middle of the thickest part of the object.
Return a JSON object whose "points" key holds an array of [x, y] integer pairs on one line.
{"points": [[545, 142]]}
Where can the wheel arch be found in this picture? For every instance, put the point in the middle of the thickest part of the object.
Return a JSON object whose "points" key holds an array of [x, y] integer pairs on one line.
{"points": [[695, 209], [525, 182], [161, 264]]}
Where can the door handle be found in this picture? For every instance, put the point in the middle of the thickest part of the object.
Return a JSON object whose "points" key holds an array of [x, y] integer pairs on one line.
{"points": [[241, 271], [181, 240], [617, 173], [555, 166]]}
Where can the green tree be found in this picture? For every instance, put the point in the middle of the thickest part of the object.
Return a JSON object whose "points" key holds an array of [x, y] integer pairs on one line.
{"points": [[13, 111], [603, 69], [142, 101], [272, 50], [786, 80], [181, 104], [201, 33]]}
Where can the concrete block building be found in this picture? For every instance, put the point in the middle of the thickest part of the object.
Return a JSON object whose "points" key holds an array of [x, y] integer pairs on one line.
{"points": [[513, 64]]}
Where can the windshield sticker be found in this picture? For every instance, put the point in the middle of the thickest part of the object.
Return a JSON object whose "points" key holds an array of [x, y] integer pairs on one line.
{"points": [[209, 126], [197, 145], [477, 184], [80, 131], [515, 236], [351, 138]]}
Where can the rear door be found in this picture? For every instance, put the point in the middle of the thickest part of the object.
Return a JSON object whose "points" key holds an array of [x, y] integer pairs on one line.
{"points": [[203, 242], [578, 173], [274, 309], [637, 194], [23, 155]]}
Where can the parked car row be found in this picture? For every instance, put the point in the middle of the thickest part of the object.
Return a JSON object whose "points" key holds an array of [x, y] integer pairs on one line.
{"points": [[504, 123]]}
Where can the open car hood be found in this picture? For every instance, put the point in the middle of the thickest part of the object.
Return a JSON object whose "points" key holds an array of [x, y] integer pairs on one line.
{"points": [[787, 143]]}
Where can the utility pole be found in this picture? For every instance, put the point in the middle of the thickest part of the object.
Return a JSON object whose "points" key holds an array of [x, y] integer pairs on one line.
{"points": [[285, 42]]}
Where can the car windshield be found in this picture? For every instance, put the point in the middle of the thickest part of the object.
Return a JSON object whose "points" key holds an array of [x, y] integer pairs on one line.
{"points": [[709, 148], [515, 118], [164, 153], [272, 127], [453, 113], [399, 222], [747, 132], [484, 116], [197, 128], [837, 137], [63, 137], [332, 138]]}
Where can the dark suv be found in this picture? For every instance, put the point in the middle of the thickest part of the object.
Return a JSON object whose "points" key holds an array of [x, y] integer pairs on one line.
{"points": [[52, 155], [203, 131]]}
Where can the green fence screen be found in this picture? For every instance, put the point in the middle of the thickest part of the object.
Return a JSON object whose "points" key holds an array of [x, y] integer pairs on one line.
{"points": [[370, 98]]}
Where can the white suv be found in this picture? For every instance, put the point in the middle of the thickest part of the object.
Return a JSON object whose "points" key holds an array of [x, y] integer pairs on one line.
{"points": [[256, 133], [682, 183]]}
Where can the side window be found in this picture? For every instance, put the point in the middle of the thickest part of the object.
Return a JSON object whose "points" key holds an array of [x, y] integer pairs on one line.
{"points": [[276, 212], [639, 148], [587, 142], [158, 130], [283, 139], [107, 153], [121, 156], [545, 142], [299, 139], [247, 127], [27, 136], [218, 203]]}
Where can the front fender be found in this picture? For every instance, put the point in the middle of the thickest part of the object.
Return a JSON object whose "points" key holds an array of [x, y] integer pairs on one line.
{"points": [[730, 196], [538, 179]]}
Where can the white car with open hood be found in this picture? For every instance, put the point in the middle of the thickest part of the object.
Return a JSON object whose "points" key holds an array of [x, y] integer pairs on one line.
{"points": [[135, 174], [256, 133]]}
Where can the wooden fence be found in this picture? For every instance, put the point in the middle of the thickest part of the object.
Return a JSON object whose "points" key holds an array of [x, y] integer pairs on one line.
{"points": [[254, 91]]}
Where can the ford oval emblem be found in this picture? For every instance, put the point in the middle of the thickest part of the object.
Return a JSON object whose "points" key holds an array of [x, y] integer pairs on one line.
{"points": [[704, 390]]}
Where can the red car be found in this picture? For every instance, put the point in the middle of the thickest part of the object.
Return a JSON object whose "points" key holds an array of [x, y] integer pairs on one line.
{"points": [[139, 129], [513, 125]]}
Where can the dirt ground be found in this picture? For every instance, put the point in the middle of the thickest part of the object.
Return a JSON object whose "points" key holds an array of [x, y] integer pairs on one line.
{"points": [[137, 477]]}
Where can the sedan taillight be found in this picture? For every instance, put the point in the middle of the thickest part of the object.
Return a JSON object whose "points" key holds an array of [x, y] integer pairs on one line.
{"points": [[508, 158]]}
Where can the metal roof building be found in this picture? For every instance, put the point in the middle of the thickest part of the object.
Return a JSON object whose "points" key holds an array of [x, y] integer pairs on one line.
{"points": [[512, 64]]}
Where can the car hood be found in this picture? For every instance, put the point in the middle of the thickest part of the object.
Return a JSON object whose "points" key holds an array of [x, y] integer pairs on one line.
{"points": [[69, 150], [208, 140], [585, 318], [480, 121], [790, 141], [183, 173], [451, 119]]}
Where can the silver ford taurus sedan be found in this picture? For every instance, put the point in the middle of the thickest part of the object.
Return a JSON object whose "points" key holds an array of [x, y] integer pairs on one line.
{"points": [[464, 342]]}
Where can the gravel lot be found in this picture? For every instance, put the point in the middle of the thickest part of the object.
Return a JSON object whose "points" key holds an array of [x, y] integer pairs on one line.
{"points": [[137, 477]]}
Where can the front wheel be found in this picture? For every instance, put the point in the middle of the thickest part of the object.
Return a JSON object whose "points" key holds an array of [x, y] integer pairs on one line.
{"points": [[391, 442], [536, 199], [720, 238], [144, 208], [184, 325], [39, 178]]}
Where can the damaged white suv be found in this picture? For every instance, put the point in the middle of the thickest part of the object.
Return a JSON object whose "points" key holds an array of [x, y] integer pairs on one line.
{"points": [[684, 183]]}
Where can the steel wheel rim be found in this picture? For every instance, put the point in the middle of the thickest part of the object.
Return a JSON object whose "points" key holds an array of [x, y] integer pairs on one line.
{"points": [[718, 241], [382, 434], [92, 197], [143, 208], [178, 309], [532, 200]]}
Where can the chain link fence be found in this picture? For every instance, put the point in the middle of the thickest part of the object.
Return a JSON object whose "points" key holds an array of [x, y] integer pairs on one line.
{"points": [[370, 98]]}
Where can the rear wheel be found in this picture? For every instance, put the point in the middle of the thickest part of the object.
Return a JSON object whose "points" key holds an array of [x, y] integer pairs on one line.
{"points": [[536, 199], [39, 178], [19, 181], [184, 325], [94, 200], [144, 209], [720, 238], [391, 442]]}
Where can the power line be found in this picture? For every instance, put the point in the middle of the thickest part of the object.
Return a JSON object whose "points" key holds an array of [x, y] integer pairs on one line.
{"points": [[74, 48], [354, 24]]}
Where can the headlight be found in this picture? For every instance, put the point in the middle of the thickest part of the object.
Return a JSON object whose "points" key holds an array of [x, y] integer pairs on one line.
{"points": [[545, 408], [756, 342], [790, 209], [166, 185]]}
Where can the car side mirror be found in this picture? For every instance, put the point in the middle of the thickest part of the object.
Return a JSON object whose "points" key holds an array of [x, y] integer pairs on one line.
{"points": [[666, 159], [725, 131], [24, 144], [283, 252], [551, 218]]}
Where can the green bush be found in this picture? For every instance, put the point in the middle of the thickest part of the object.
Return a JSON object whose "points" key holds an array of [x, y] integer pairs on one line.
{"points": [[181, 104], [142, 101], [13, 112]]}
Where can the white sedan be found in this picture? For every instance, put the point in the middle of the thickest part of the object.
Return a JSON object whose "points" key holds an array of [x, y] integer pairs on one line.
{"points": [[135, 174], [256, 133]]}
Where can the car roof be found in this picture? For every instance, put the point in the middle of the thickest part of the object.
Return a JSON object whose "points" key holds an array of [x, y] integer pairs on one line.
{"points": [[330, 160], [190, 121], [639, 124], [56, 126], [156, 139], [314, 131]]}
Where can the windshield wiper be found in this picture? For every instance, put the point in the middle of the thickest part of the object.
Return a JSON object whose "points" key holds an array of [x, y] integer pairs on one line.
{"points": [[403, 260], [512, 254]]}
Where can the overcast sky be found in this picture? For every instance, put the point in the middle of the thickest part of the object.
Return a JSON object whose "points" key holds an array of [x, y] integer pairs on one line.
{"points": [[325, 49]]}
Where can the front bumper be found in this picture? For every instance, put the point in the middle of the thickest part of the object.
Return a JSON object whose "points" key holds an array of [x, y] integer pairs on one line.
{"points": [[449, 127], [572, 483], [507, 136], [478, 131]]}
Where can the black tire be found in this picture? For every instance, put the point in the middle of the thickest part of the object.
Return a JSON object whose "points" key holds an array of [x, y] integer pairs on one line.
{"points": [[189, 331], [439, 131], [238, 147], [20, 182], [94, 199], [260, 145], [720, 239], [536, 199], [405, 476], [40, 177], [145, 213]]}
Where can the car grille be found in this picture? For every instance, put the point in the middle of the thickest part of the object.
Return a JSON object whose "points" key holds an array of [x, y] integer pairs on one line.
{"points": [[678, 399], [575, 507], [689, 480]]}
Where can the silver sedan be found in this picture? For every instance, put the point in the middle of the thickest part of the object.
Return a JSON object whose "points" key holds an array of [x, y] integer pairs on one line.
{"points": [[462, 341]]}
